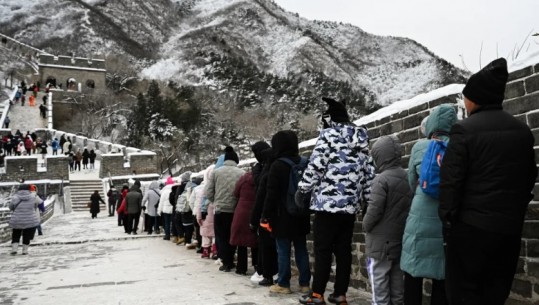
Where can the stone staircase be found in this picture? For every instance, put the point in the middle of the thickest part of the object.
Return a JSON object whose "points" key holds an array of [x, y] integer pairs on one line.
{"points": [[81, 190]]}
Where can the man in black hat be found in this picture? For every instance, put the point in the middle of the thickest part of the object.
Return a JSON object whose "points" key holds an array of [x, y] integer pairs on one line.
{"points": [[339, 176], [487, 178]]}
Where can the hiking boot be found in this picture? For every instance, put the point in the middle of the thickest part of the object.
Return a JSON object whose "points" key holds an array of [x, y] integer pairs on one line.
{"points": [[340, 300], [239, 272], [225, 268], [190, 246], [312, 298], [278, 289], [266, 282], [175, 239], [180, 240]]}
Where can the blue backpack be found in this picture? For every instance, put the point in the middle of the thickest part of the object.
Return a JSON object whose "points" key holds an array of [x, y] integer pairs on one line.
{"points": [[429, 175], [296, 172]]}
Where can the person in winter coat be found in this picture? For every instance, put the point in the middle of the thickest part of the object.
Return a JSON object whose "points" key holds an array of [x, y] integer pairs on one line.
{"points": [[422, 245], [55, 145], [219, 190], [24, 220], [150, 202], [6, 122], [95, 199], [387, 210], [28, 145], [42, 145], [286, 229], [133, 206], [121, 210], [267, 252], [114, 198], [85, 158], [165, 208], [62, 142], [92, 159], [240, 233], [204, 214], [339, 176], [488, 174], [20, 150], [66, 148], [78, 159], [196, 180]]}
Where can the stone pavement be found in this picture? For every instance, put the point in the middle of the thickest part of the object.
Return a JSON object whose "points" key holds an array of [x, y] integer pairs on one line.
{"points": [[83, 261], [26, 118]]}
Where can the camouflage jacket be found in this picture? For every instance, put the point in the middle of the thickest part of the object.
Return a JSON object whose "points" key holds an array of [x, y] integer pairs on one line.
{"points": [[340, 171]]}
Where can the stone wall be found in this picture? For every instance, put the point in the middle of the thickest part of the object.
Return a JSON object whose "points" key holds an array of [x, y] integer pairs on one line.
{"points": [[131, 164], [522, 101], [26, 167]]}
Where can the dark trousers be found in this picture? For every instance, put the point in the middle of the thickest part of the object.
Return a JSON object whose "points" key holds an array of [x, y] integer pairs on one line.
{"points": [[413, 291], [223, 224], [197, 234], [77, 164], [267, 254], [332, 234], [120, 220], [125, 222], [167, 219], [177, 225], [243, 258], [480, 265], [188, 233], [94, 215], [27, 235], [112, 208], [132, 222]]}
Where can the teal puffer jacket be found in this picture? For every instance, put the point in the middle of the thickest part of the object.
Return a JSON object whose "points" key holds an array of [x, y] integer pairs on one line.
{"points": [[422, 244]]}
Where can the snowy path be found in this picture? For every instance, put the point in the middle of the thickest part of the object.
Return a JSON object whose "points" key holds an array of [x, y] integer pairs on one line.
{"points": [[26, 118], [83, 261]]}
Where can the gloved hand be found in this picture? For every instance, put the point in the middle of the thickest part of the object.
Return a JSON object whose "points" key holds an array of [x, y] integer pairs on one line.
{"points": [[143, 208], [264, 224]]}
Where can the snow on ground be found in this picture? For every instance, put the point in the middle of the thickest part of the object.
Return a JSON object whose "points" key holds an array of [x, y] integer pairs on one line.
{"points": [[80, 260]]}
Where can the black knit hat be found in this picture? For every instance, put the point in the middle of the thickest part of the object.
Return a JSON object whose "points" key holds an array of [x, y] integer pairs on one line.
{"points": [[336, 110], [230, 154], [487, 86]]}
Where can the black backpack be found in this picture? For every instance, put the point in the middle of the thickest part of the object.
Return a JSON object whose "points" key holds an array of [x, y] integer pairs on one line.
{"points": [[296, 172]]}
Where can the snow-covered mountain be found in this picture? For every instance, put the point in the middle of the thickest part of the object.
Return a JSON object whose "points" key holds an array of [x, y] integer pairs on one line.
{"points": [[208, 42]]}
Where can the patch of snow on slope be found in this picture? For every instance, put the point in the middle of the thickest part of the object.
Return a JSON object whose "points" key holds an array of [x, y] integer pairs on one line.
{"points": [[9, 8], [209, 7], [163, 69]]}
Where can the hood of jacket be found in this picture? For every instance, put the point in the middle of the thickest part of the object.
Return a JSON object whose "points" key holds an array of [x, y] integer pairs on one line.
{"points": [[24, 195], [154, 185], [386, 153], [258, 149], [441, 119], [285, 144]]}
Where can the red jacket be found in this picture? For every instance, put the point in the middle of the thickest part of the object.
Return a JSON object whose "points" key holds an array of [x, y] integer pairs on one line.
{"points": [[240, 233]]}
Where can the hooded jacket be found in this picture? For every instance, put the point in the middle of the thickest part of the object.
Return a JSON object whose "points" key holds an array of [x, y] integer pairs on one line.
{"points": [[389, 202], [23, 205], [340, 170], [422, 245], [151, 198], [284, 144]]}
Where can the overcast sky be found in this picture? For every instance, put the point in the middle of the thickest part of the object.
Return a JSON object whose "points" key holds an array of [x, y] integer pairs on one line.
{"points": [[449, 28]]}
